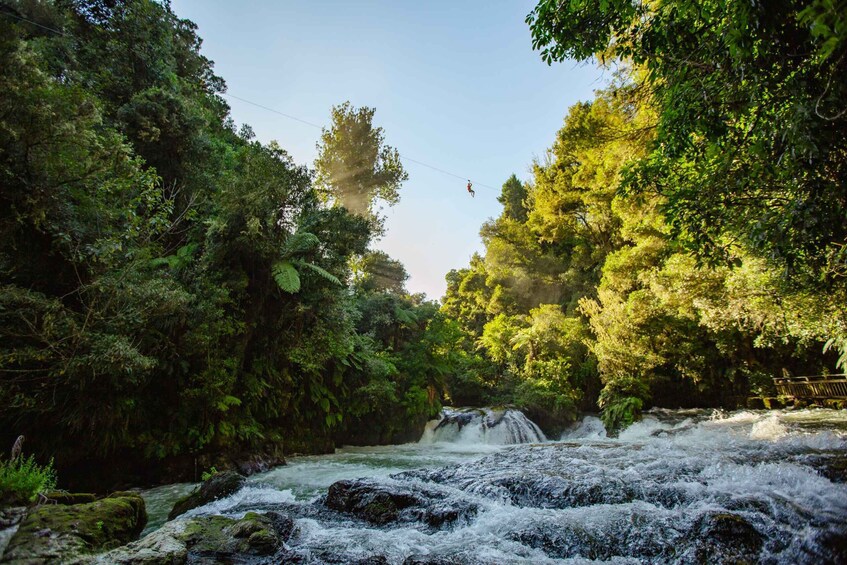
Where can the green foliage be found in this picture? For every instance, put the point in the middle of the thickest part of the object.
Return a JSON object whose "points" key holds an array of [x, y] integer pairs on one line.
{"points": [[751, 147], [286, 276], [549, 390], [22, 479], [586, 294], [354, 165], [208, 474], [621, 401], [620, 412], [153, 259]]}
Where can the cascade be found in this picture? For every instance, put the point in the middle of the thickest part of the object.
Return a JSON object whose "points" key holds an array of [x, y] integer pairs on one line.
{"points": [[483, 486], [489, 426]]}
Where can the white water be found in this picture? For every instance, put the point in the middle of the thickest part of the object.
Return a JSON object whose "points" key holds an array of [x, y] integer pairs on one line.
{"points": [[639, 498], [482, 426]]}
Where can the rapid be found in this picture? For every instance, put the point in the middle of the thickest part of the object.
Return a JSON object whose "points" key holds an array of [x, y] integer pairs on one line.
{"points": [[486, 486]]}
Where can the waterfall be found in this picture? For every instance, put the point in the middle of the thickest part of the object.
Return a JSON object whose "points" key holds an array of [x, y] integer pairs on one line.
{"points": [[489, 426]]}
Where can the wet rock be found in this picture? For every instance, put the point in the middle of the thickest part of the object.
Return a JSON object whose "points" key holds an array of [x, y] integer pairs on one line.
{"points": [[382, 503], [218, 486], [725, 538], [372, 502], [618, 539], [9, 519], [51, 533], [827, 547], [830, 464], [209, 539], [459, 418], [252, 463]]}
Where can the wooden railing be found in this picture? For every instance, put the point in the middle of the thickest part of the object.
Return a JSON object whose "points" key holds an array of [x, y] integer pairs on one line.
{"points": [[821, 386]]}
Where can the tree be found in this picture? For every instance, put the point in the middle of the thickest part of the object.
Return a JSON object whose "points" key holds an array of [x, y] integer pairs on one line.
{"points": [[513, 199], [354, 165], [375, 271], [752, 136]]}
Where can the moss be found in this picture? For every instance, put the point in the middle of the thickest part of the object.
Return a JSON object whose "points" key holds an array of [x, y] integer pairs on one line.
{"points": [[253, 534], [380, 511], [835, 403], [64, 531]]}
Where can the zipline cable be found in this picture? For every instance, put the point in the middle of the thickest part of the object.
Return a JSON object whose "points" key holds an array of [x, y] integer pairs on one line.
{"points": [[11, 15], [475, 184], [283, 114]]}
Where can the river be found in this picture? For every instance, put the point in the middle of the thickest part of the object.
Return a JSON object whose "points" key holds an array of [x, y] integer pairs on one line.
{"points": [[677, 487]]}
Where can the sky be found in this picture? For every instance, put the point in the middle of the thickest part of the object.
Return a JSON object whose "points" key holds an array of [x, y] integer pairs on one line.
{"points": [[455, 84]]}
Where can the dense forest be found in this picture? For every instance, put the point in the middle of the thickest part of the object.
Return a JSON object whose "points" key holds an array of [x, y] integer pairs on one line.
{"points": [[173, 290]]}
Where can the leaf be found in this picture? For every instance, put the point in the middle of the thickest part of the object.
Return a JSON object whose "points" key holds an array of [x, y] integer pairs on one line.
{"points": [[298, 243], [286, 276], [322, 272], [404, 316]]}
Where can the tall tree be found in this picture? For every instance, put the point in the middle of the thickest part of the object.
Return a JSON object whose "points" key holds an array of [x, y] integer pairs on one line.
{"points": [[752, 126], [355, 166]]}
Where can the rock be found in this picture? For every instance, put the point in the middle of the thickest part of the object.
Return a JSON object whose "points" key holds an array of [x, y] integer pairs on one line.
{"points": [[9, 519], [11, 516], [725, 538], [380, 503], [54, 532], [253, 463], [826, 547], [208, 539], [219, 485], [831, 464]]}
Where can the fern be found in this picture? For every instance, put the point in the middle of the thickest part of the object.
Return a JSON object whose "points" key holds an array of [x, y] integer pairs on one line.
{"points": [[22, 479], [840, 345], [177, 261], [322, 272], [285, 271], [300, 242], [286, 276], [404, 316]]}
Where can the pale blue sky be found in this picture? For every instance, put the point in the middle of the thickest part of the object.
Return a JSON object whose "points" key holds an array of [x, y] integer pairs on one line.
{"points": [[455, 85]]}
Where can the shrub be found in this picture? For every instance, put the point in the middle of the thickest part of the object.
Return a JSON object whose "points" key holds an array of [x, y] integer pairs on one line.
{"points": [[22, 479], [621, 401]]}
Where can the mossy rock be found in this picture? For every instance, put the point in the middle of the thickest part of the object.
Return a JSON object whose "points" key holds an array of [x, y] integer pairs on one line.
{"points": [[55, 532], [217, 486], [207, 539]]}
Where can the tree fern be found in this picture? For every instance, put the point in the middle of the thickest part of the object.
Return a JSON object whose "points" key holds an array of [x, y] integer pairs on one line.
{"points": [[321, 271], [298, 243], [286, 276]]}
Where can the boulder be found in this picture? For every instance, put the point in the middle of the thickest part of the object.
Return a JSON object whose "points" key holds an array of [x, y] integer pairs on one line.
{"points": [[56, 532], [724, 537], [380, 503], [208, 539], [218, 486]]}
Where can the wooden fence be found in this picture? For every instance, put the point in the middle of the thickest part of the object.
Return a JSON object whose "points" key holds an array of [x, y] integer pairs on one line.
{"points": [[821, 386]]}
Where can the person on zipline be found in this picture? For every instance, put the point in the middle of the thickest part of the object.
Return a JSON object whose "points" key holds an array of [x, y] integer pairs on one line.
{"points": [[471, 189]]}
